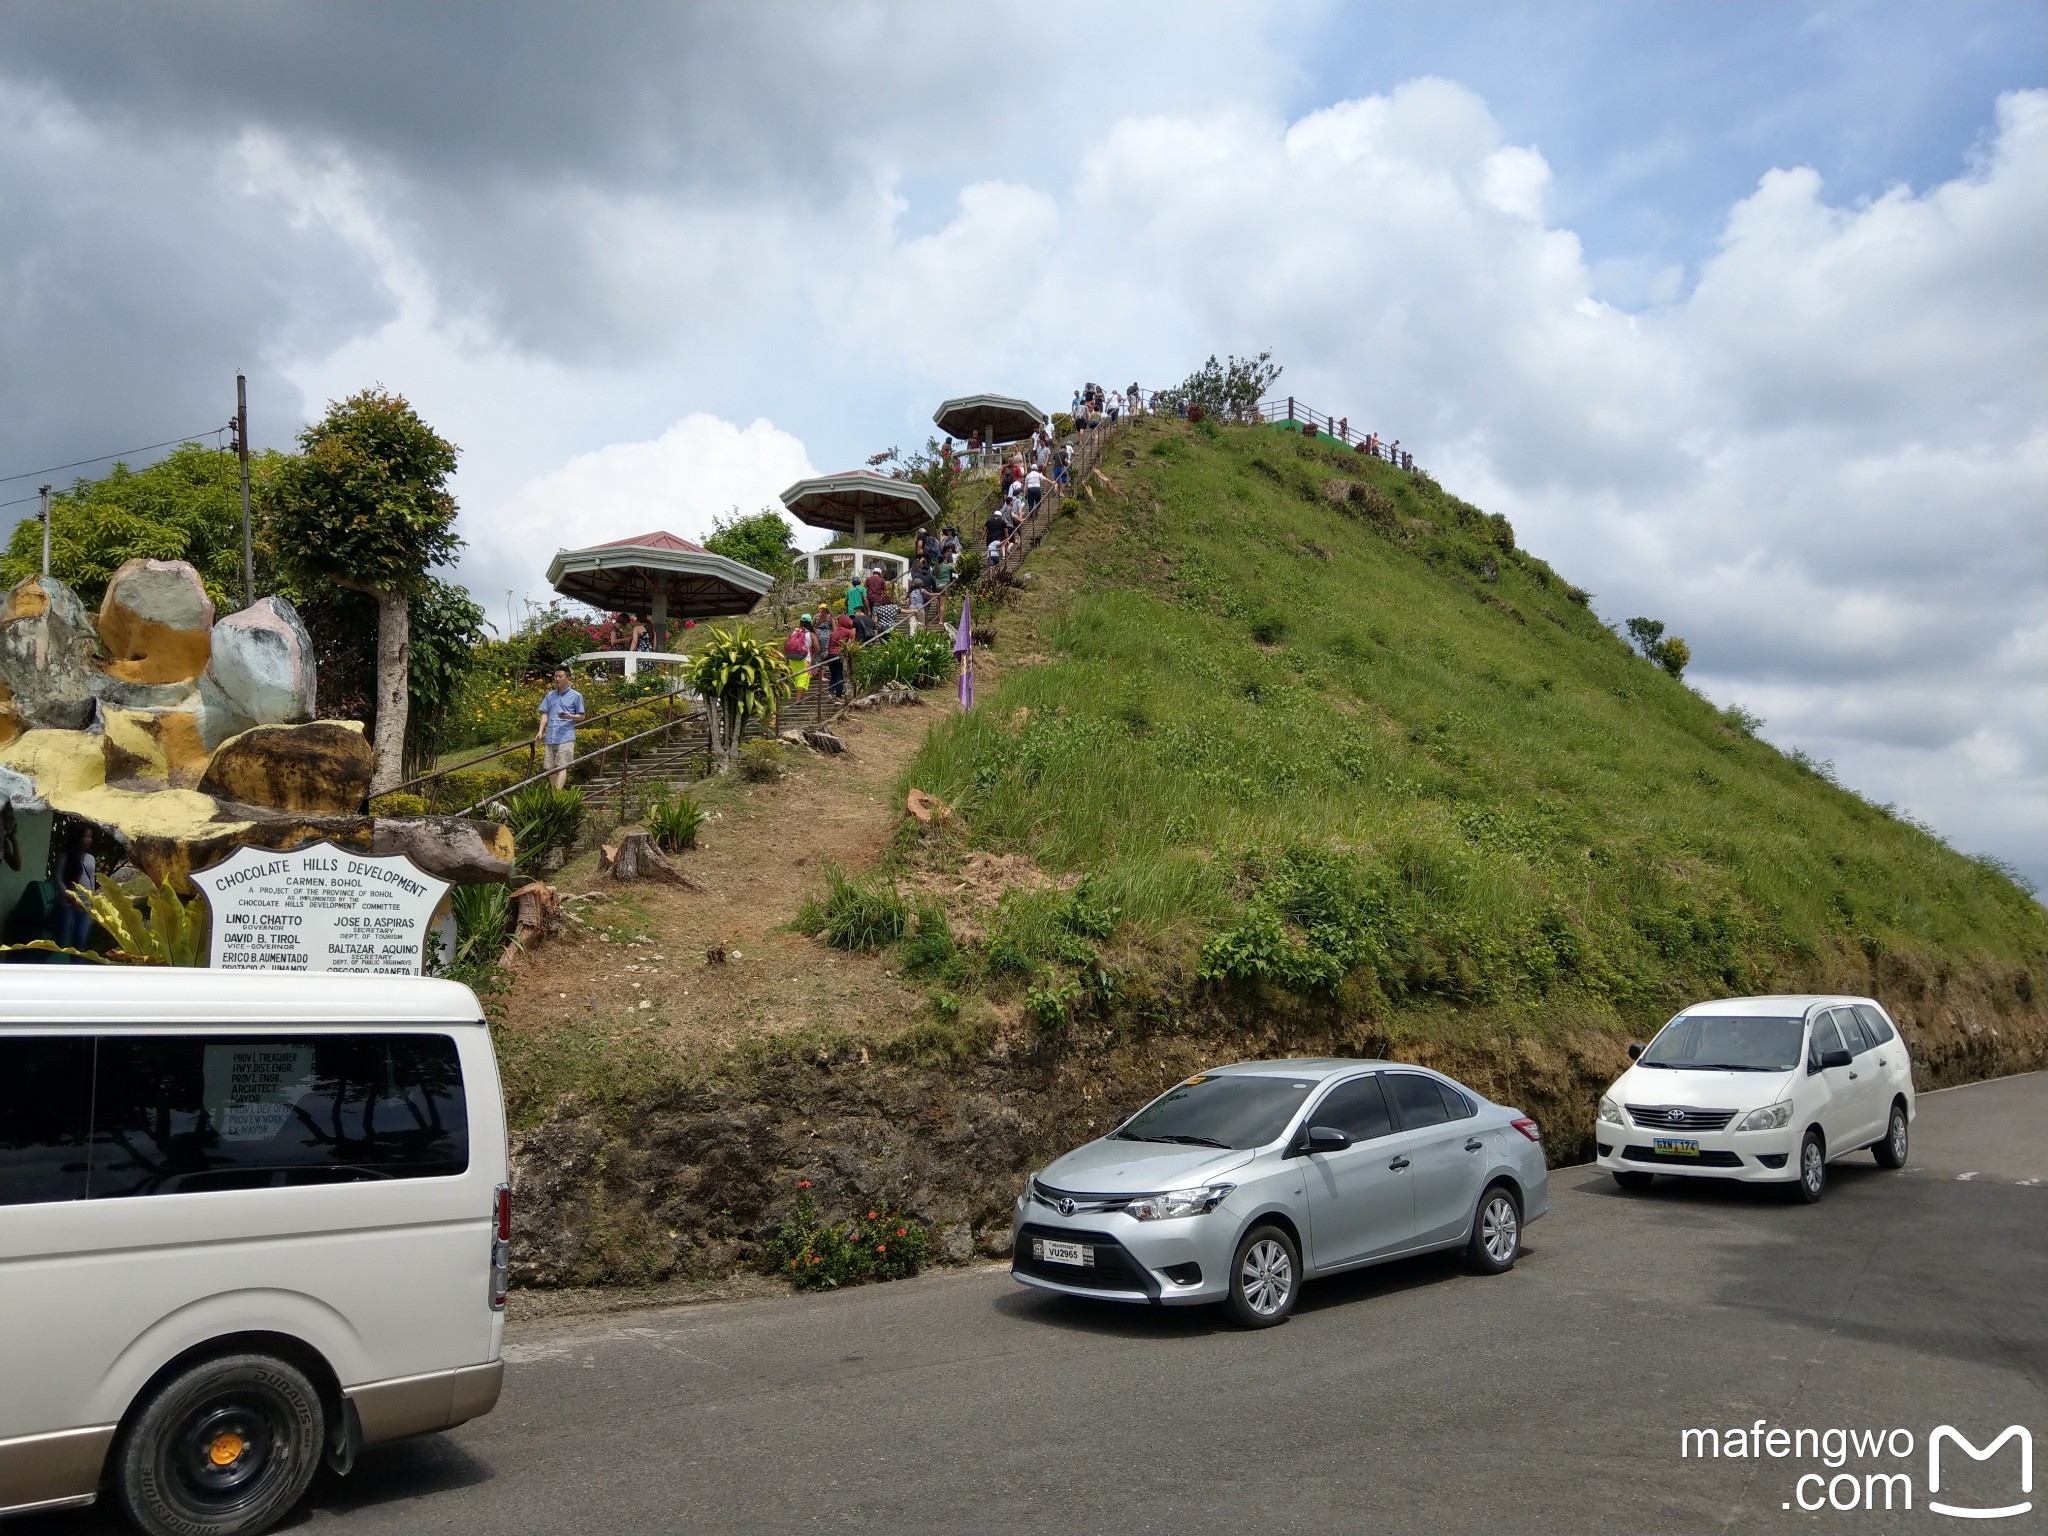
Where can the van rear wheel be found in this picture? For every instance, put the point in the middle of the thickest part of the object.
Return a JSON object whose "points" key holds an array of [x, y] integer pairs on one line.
{"points": [[225, 1448]]}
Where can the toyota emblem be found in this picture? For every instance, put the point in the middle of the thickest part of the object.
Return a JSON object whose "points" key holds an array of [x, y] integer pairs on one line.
{"points": [[1676, 1117], [1066, 1205]]}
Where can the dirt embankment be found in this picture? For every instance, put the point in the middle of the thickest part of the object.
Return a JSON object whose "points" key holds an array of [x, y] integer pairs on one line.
{"points": [[690, 1183]]}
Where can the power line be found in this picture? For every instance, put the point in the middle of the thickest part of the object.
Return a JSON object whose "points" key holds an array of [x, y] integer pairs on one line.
{"points": [[101, 458]]}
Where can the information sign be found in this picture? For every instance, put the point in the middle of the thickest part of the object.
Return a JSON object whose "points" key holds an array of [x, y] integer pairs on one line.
{"points": [[319, 908]]}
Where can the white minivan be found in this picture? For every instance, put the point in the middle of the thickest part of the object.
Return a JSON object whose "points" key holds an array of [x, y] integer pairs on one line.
{"points": [[1761, 1089], [249, 1222]]}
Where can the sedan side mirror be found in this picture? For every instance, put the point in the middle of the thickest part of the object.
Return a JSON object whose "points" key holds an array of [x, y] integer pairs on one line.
{"points": [[1327, 1138], [1635, 1050]]}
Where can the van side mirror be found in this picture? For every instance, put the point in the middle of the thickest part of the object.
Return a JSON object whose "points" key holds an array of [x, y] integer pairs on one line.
{"points": [[1327, 1138], [1836, 1058], [1635, 1050]]}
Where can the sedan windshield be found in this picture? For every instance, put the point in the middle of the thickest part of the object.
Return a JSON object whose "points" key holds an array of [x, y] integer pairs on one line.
{"points": [[1212, 1111], [1700, 1041]]}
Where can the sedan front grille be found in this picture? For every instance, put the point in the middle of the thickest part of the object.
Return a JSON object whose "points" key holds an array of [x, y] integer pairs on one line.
{"points": [[1679, 1117], [1069, 1202], [1114, 1268]]}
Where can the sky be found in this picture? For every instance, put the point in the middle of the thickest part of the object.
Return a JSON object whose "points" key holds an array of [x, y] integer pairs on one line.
{"points": [[1738, 310]]}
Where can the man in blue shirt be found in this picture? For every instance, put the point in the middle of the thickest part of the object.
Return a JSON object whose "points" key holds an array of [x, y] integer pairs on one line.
{"points": [[560, 708]]}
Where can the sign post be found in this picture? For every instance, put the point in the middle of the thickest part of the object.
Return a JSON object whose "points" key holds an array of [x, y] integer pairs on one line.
{"points": [[319, 908]]}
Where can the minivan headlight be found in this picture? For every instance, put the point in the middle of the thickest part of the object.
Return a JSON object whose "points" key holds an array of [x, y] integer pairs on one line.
{"points": [[1178, 1202], [1773, 1117], [1611, 1111]]}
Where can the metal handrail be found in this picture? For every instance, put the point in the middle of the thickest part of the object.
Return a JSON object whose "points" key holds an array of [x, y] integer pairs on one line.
{"points": [[517, 746]]}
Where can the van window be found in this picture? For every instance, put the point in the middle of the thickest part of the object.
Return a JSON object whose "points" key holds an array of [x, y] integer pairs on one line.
{"points": [[1873, 1021], [180, 1114], [1825, 1038], [45, 1104], [1852, 1031]]}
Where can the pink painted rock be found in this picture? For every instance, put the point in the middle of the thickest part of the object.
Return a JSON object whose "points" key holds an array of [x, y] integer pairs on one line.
{"points": [[262, 664]]}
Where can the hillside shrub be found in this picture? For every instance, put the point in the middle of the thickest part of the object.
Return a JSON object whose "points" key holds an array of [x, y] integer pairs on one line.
{"points": [[856, 912], [399, 804], [763, 762], [920, 661], [814, 1254], [544, 820], [673, 821], [453, 792]]}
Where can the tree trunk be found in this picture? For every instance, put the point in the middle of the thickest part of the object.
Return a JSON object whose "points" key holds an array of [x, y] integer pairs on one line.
{"points": [[394, 692]]}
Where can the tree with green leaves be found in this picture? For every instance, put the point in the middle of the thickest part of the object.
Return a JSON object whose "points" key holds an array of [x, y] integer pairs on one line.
{"points": [[760, 540], [183, 507], [1672, 655], [1230, 389], [738, 675], [366, 506]]}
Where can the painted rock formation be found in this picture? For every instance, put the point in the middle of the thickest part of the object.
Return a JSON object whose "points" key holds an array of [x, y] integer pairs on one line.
{"points": [[183, 739]]}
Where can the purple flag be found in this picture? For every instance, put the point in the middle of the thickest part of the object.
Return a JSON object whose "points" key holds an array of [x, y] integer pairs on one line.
{"points": [[963, 650]]}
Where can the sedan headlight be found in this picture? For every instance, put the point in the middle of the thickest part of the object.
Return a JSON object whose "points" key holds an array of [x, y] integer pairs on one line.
{"points": [[1178, 1202], [1773, 1117], [1611, 1111]]}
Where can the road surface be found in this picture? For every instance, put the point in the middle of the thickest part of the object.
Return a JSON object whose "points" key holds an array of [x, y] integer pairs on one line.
{"points": [[1412, 1397]]}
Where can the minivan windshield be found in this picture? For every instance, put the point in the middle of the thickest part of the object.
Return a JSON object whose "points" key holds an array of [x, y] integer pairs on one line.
{"points": [[1219, 1111], [1702, 1041]]}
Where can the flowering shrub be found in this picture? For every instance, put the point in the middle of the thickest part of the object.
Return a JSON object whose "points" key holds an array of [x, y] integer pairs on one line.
{"points": [[882, 1244]]}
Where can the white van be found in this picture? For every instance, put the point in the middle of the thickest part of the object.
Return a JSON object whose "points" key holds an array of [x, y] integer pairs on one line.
{"points": [[1768, 1090], [248, 1222]]}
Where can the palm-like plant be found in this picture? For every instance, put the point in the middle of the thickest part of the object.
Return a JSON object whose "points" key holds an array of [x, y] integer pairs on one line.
{"points": [[738, 675]]}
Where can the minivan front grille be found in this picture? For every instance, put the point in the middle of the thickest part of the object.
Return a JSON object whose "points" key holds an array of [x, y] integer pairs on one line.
{"points": [[1678, 1117], [1707, 1158]]}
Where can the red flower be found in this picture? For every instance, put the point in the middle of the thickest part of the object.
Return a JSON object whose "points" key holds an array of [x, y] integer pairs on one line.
{"points": [[803, 1183], [881, 1247], [814, 1258], [871, 1215], [902, 1231]]}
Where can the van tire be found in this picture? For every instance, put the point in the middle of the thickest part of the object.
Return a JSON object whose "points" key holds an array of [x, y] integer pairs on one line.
{"points": [[1890, 1150], [224, 1448], [1812, 1179]]}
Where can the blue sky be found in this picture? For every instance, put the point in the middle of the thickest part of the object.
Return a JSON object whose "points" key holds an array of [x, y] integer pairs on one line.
{"points": [[1657, 116]]}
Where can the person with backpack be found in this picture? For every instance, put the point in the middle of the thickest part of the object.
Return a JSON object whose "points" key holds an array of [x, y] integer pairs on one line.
{"points": [[796, 650]]}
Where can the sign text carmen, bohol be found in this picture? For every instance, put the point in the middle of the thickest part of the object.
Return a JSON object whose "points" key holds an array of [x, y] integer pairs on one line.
{"points": [[321, 908]]}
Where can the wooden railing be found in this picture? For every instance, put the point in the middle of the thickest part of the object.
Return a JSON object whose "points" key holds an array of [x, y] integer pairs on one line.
{"points": [[1288, 410]]}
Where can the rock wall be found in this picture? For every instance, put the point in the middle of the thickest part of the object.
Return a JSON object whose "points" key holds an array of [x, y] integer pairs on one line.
{"points": [[692, 1182]]}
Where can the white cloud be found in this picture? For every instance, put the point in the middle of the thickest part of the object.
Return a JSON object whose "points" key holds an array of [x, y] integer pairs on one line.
{"points": [[699, 469]]}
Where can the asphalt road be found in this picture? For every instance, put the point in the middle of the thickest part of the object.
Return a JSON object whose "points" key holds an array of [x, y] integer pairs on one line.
{"points": [[1409, 1398]]}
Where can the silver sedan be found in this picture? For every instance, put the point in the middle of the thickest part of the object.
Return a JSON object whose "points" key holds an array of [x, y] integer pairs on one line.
{"points": [[1240, 1183]]}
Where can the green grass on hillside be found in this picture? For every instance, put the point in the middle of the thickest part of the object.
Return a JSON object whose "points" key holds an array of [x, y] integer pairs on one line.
{"points": [[1314, 724]]}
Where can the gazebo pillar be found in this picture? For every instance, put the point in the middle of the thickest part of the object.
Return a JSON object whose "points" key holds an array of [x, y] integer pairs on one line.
{"points": [[660, 617], [860, 539]]}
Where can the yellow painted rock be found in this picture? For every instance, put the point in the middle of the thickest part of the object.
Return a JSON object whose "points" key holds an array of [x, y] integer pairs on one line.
{"points": [[153, 748], [156, 623], [319, 769]]}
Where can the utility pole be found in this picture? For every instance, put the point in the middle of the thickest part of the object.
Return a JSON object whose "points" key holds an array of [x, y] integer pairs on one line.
{"points": [[242, 453], [46, 530]]}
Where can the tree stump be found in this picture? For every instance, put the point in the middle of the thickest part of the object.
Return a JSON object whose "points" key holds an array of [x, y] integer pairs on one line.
{"points": [[631, 855]]}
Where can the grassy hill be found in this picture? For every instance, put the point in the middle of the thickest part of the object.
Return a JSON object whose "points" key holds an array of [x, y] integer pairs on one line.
{"points": [[1322, 736], [1278, 750]]}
